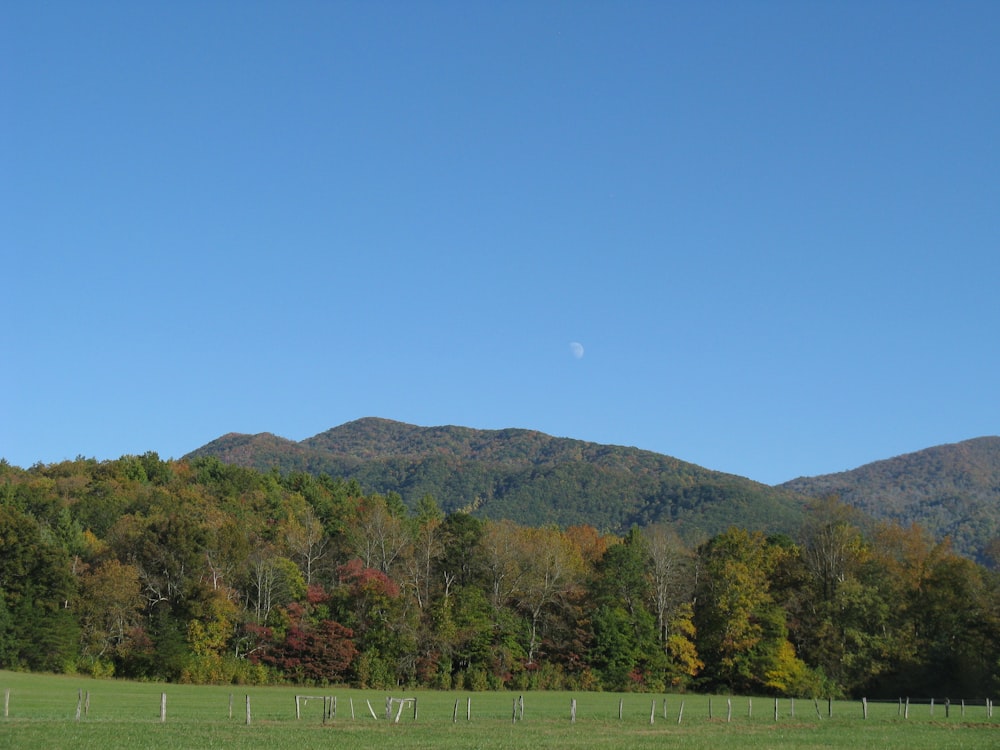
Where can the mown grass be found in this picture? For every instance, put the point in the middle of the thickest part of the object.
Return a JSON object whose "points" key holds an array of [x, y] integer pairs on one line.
{"points": [[127, 715]]}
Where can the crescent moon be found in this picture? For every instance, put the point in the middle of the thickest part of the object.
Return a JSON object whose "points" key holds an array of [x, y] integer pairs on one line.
{"points": [[576, 349]]}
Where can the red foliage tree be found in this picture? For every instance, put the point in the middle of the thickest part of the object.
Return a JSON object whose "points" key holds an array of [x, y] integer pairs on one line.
{"points": [[362, 580], [321, 654]]}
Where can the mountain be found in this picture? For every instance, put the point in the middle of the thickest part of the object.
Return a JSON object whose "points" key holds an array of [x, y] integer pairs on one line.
{"points": [[523, 475], [951, 490], [536, 479]]}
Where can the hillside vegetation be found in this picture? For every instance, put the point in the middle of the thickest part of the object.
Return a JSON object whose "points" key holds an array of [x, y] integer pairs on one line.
{"points": [[525, 476], [950, 490], [535, 479], [201, 571], [554, 563]]}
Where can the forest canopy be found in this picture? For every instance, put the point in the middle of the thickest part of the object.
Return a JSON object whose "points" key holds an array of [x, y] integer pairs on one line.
{"points": [[200, 571]]}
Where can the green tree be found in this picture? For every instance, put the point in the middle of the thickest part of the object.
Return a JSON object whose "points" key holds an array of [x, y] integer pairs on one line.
{"points": [[742, 634], [840, 610], [625, 646], [462, 561], [37, 586], [614, 652], [943, 613]]}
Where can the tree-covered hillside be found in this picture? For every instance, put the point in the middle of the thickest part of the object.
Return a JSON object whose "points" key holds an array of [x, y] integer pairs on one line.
{"points": [[951, 490], [524, 476], [201, 571]]}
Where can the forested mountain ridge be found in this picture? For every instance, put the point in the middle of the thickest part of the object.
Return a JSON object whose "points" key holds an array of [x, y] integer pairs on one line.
{"points": [[201, 571], [525, 476], [951, 490]]}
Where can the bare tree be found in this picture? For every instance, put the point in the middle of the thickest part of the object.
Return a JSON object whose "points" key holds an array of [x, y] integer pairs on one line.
{"points": [[670, 574], [272, 580], [377, 536], [425, 550], [504, 560], [552, 569], [832, 545], [307, 541]]}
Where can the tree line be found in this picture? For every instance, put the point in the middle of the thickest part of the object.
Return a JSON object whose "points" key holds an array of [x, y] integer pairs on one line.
{"points": [[204, 572]]}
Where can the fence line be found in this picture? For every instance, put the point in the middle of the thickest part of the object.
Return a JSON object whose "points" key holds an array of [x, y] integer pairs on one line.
{"points": [[930, 707]]}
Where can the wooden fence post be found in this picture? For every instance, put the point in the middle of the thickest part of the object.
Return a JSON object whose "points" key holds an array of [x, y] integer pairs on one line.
{"points": [[520, 707], [652, 712], [248, 709], [79, 703], [513, 711], [749, 708], [468, 710], [775, 709], [621, 701], [454, 714], [298, 712], [864, 707], [572, 711], [829, 707], [932, 706], [680, 713], [729, 710], [906, 708], [163, 707], [6, 703]]}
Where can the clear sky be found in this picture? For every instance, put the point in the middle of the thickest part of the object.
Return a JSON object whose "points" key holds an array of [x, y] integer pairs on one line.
{"points": [[763, 237]]}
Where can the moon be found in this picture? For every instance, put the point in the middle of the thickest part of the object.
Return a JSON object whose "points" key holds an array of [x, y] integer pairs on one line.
{"points": [[576, 349]]}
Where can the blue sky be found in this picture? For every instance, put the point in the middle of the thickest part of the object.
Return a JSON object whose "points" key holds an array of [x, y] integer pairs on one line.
{"points": [[773, 227]]}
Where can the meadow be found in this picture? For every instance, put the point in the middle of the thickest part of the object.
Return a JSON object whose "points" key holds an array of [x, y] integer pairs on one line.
{"points": [[41, 712]]}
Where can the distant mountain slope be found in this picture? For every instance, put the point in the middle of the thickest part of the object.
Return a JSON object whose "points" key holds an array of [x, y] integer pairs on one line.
{"points": [[950, 490], [524, 475]]}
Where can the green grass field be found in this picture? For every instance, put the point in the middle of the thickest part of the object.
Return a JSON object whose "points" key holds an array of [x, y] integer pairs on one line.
{"points": [[42, 714]]}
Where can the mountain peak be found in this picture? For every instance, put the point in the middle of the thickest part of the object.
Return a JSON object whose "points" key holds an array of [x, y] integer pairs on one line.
{"points": [[524, 475]]}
